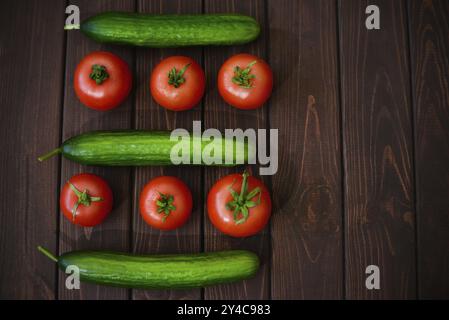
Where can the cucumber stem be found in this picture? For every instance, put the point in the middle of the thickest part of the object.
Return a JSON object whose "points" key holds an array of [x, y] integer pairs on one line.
{"points": [[49, 155], [47, 253]]}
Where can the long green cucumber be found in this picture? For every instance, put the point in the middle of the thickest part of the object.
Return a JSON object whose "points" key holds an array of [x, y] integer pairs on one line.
{"points": [[164, 31], [145, 148], [176, 271]]}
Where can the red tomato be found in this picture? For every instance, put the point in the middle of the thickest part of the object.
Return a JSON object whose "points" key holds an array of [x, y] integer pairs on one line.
{"points": [[177, 83], [165, 203], [239, 205], [245, 81], [86, 199], [102, 80]]}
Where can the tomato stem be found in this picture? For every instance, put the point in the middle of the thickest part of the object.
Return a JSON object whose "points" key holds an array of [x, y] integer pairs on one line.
{"points": [[165, 205], [83, 198], [50, 154], [241, 203], [47, 253], [99, 74], [243, 77], [176, 78]]}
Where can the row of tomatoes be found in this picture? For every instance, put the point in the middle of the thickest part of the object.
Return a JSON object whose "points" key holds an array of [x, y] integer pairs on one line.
{"points": [[238, 205], [103, 81]]}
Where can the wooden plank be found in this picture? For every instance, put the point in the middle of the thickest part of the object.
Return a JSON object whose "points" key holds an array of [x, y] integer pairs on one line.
{"points": [[377, 135], [32, 66], [429, 30], [219, 115], [113, 233], [306, 227], [151, 116]]}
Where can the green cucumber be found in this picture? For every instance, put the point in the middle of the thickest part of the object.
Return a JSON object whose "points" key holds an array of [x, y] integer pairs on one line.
{"points": [[143, 148], [164, 31], [175, 271]]}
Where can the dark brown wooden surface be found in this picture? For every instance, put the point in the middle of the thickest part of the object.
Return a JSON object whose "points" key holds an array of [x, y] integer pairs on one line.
{"points": [[363, 149], [429, 30], [30, 98], [377, 151], [306, 225]]}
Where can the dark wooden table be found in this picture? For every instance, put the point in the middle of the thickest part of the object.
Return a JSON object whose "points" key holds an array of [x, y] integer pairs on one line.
{"points": [[363, 119]]}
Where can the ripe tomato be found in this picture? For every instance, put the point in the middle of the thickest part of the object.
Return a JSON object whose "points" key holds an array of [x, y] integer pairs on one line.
{"points": [[245, 81], [177, 83], [102, 80], [86, 199], [165, 203], [239, 205]]}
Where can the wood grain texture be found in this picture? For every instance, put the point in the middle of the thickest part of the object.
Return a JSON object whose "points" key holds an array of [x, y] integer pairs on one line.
{"points": [[150, 116], [219, 115], [113, 233], [31, 67], [429, 30], [377, 135], [306, 227]]}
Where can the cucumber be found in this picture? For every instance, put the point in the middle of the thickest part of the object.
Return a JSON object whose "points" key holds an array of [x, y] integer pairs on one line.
{"points": [[176, 271], [142, 148], [165, 31]]}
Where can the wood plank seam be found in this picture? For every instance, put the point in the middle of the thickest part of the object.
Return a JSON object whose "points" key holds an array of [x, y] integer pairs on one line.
{"points": [[203, 181], [132, 179], [342, 147], [269, 179], [413, 146], [61, 123]]}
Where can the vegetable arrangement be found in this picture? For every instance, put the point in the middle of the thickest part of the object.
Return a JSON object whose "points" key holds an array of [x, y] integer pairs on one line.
{"points": [[176, 271], [237, 205]]}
